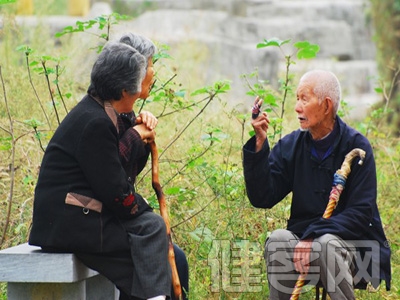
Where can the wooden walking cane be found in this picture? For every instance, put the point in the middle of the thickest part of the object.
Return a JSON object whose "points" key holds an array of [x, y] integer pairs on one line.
{"points": [[160, 196], [164, 214], [339, 181]]}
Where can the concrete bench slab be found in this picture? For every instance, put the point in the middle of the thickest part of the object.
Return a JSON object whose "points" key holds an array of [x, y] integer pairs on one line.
{"points": [[31, 273]]}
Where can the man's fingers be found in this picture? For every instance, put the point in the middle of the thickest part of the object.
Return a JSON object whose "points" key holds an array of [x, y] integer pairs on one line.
{"points": [[301, 265], [301, 257], [256, 109]]}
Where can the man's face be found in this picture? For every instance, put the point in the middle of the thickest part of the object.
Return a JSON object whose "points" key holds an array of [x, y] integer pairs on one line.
{"points": [[310, 112]]}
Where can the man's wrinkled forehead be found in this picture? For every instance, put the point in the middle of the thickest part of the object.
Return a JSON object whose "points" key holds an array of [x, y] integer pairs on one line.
{"points": [[305, 87]]}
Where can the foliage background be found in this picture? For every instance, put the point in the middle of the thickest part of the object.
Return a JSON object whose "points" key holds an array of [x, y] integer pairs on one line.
{"points": [[199, 136]]}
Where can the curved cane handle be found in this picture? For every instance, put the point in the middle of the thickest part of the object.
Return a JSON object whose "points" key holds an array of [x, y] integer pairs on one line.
{"points": [[348, 159]]}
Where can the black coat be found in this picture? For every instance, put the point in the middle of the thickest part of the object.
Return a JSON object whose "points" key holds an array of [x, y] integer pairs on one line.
{"points": [[290, 167], [83, 190]]}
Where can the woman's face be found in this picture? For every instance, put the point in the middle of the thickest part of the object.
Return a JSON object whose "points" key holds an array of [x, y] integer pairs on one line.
{"points": [[148, 80]]}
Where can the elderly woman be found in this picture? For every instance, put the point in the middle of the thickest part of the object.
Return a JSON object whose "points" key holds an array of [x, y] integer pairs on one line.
{"points": [[85, 200], [147, 48]]}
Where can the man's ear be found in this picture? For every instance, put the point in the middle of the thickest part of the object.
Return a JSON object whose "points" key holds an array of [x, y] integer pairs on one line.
{"points": [[328, 105]]}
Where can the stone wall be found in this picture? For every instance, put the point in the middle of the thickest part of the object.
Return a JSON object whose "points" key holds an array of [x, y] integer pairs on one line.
{"points": [[225, 34], [232, 29]]}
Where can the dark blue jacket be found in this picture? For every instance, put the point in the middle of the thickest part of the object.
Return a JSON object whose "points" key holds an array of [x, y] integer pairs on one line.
{"points": [[290, 167]]}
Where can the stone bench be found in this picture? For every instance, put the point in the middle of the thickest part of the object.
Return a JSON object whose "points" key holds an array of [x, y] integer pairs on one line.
{"points": [[33, 274]]}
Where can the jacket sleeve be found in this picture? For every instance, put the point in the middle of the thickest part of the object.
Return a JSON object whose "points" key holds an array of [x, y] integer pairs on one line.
{"points": [[98, 155], [133, 151], [354, 213], [266, 176]]}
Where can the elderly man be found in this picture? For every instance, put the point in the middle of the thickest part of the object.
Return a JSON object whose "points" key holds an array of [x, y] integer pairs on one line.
{"points": [[303, 163]]}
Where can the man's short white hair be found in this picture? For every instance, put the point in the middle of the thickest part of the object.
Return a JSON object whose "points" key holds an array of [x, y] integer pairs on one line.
{"points": [[326, 84]]}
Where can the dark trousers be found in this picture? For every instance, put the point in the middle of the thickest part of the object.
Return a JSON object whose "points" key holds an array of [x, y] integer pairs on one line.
{"points": [[330, 260], [143, 271]]}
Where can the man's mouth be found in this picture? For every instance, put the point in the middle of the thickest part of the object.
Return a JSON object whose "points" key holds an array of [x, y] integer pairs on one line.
{"points": [[302, 119]]}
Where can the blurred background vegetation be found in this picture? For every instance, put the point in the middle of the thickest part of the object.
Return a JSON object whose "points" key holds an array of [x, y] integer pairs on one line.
{"points": [[386, 18], [199, 138]]}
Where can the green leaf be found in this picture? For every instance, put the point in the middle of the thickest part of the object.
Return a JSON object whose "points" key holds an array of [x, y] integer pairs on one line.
{"points": [[272, 42], [5, 143], [104, 36], [6, 1], [378, 90], [50, 71], [301, 44], [40, 135], [33, 123], [210, 138], [68, 29], [306, 50], [204, 90], [21, 48], [28, 180], [21, 227], [48, 57], [180, 93], [252, 133], [270, 99], [38, 70], [222, 87], [172, 191]]}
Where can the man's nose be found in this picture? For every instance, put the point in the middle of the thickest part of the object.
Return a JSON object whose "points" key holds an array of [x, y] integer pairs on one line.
{"points": [[297, 107]]}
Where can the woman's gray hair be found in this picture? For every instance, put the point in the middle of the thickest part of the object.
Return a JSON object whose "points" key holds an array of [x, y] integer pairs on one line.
{"points": [[326, 84], [119, 67], [142, 44]]}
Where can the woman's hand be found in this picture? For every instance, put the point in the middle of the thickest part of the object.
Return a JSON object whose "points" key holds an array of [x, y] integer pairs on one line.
{"points": [[147, 135], [148, 119], [145, 124]]}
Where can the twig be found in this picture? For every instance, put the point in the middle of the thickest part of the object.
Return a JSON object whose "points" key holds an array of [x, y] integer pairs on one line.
{"points": [[12, 166], [58, 88], [196, 213], [182, 108], [34, 89], [189, 162], [51, 94], [211, 97]]}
